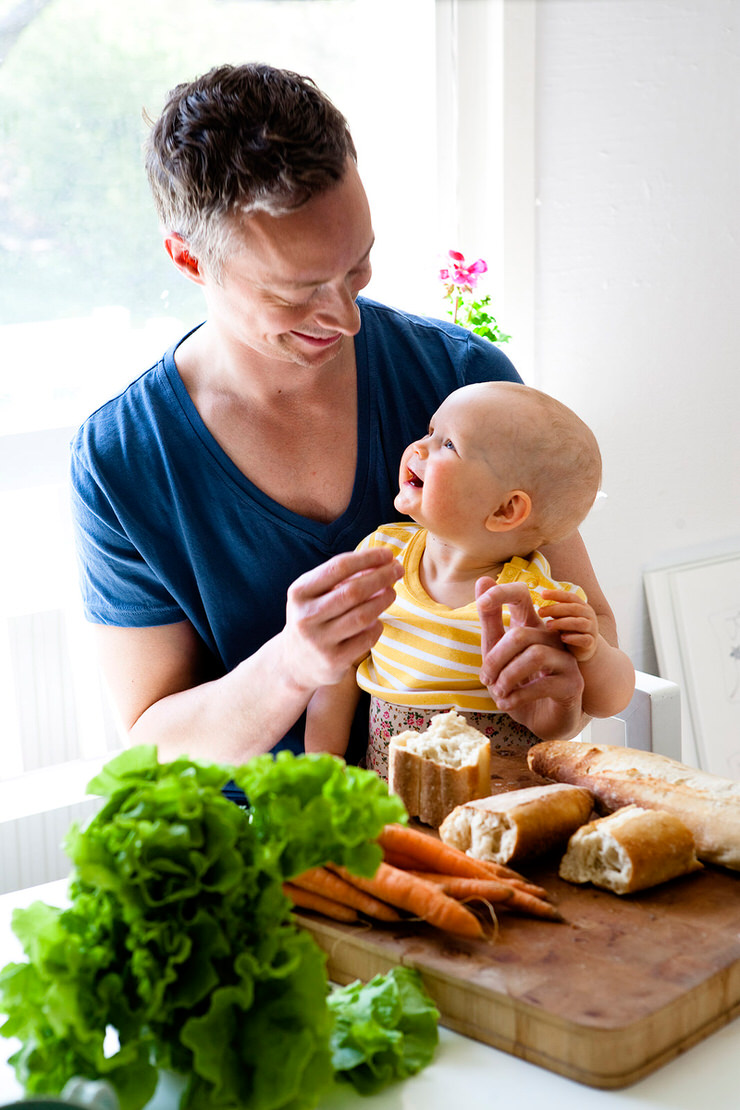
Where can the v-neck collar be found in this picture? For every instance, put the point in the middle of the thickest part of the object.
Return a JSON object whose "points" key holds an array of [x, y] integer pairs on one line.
{"points": [[326, 532]]}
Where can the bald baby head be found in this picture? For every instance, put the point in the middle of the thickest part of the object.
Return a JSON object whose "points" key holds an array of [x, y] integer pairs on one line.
{"points": [[535, 443]]}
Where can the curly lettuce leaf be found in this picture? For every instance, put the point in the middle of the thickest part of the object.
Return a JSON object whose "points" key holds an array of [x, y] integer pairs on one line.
{"points": [[307, 810], [179, 937], [383, 1031], [60, 1008]]}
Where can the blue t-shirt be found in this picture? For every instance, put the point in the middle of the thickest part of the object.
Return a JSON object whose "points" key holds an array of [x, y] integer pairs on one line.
{"points": [[169, 529]]}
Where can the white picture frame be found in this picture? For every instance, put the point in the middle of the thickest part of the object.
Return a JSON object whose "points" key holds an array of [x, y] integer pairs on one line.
{"points": [[694, 612]]}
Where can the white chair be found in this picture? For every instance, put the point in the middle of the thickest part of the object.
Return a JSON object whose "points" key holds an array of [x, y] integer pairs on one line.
{"points": [[651, 721]]}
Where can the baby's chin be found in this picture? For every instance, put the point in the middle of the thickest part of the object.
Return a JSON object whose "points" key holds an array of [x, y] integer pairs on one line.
{"points": [[401, 506]]}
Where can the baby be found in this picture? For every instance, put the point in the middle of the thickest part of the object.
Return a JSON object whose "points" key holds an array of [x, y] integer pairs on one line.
{"points": [[503, 471]]}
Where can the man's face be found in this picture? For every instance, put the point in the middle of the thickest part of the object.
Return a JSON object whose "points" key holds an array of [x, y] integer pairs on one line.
{"points": [[288, 291]]}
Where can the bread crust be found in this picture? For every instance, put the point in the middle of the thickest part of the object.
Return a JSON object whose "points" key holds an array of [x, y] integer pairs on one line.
{"points": [[434, 771], [629, 850], [517, 824], [707, 804]]}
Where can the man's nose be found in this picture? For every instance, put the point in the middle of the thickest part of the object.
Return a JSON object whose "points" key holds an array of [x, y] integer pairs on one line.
{"points": [[340, 312]]}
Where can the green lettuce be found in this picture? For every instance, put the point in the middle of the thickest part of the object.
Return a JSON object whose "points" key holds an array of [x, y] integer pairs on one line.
{"points": [[383, 1030], [179, 950]]}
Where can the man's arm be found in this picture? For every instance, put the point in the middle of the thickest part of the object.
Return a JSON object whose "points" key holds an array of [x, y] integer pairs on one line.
{"points": [[569, 561], [158, 682], [608, 673], [155, 679]]}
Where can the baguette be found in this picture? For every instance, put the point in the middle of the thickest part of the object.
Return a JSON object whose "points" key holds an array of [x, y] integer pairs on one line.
{"points": [[518, 824], [630, 850], [433, 771], [707, 804]]}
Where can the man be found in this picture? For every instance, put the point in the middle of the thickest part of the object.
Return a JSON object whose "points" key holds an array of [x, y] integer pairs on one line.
{"points": [[219, 498]]}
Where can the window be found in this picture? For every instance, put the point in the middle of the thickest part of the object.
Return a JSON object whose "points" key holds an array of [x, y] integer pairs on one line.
{"points": [[89, 298]]}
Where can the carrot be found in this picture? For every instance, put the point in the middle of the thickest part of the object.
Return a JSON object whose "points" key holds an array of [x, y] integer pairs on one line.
{"points": [[419, 897], [308, 900], [322, 881], [398, 859], [432, 854], [525, 885], [512, 896], [528, 904], [466, 889]]}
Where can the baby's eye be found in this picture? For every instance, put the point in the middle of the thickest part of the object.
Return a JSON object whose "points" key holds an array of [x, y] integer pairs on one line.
{"points": [[449, 445]]}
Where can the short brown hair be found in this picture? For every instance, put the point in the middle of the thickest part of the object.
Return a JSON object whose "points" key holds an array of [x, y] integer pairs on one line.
{"points": [[241, 139]]}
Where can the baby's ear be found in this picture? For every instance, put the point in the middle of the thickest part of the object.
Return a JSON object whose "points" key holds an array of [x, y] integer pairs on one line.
{"points": [[511, 513]]}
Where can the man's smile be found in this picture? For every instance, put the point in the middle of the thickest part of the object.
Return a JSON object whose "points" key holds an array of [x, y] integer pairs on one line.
{"points": [[318, 340]]}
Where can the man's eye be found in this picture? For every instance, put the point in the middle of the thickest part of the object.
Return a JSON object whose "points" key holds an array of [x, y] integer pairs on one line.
{"points": [[298, 302]]}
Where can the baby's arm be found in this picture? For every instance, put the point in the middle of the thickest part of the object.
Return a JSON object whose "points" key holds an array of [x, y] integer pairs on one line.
{"points": [[329, 715], [608, 674]]}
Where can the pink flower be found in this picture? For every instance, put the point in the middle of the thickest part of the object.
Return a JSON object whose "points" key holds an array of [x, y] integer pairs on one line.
{"points": [[459, 274]]}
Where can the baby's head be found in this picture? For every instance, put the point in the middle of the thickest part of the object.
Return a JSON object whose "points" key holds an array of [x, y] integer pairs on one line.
{"points": [[507, 438]]}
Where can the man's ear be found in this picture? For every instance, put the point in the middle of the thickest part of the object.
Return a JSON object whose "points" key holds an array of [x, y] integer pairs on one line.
{"points": [[179, 252], [511, 513]]}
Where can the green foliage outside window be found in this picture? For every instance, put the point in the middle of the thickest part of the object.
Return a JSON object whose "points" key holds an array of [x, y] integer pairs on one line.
{"points": [[77, 226]]}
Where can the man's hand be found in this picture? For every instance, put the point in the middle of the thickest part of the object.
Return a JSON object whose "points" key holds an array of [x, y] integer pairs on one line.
{"points": [[332, 615], [528, 671]]}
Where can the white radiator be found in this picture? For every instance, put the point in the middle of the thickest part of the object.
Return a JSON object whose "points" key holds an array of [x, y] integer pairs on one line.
{"points": [[54, 704], [31, 846], [57, 731]]}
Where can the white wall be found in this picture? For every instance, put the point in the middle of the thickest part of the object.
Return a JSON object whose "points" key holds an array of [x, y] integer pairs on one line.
{"points": [[638, 273]]}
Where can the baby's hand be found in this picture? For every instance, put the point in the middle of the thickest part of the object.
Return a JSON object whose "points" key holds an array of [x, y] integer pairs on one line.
{"points": [[574, 620]]}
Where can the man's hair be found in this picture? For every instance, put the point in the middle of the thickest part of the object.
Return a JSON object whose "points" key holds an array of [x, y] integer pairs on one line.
{"points": [[237, 140]]}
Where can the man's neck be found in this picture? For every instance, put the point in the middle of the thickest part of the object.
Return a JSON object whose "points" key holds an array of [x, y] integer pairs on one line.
{"points": [[291, 430], [208, 365]]}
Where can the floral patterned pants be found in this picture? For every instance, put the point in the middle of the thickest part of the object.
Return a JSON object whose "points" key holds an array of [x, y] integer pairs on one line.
{"points": [[387, 720]]}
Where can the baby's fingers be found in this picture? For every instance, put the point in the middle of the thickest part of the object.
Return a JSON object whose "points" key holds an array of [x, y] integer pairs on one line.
{"points": [[569, 622], [569, 596], [580, 644]]}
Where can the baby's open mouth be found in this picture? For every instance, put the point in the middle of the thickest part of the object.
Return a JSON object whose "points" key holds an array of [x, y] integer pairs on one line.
{"points": [[414, 479]]}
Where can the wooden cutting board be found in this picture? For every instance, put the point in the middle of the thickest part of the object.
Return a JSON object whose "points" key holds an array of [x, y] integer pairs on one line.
{"points": [[624, 986]]}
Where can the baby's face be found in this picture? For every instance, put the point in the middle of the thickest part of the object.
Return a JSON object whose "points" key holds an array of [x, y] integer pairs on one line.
{"points": [[447, 483]]}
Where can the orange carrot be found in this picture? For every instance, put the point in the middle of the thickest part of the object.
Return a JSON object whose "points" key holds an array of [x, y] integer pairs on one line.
{"points": [[523, 902], [419, 897], [398, 859], [432, 854], [308, 900], [464, 888], [511, 895], [530, 888], [322, 881]]}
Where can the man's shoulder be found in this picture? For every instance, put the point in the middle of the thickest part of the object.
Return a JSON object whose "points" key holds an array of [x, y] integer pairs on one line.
{"points": [[136, 412], [432, 342], [399, 320], [127, 412]]}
